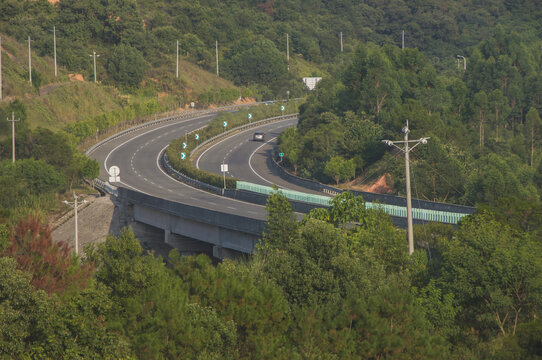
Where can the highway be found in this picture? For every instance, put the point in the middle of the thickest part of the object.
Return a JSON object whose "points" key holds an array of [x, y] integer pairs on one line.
{"points": [[137, 153], [249, 160]]}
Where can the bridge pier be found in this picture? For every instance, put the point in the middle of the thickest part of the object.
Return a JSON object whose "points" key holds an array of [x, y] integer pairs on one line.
{"points": [[162, 225], [186, 245]]}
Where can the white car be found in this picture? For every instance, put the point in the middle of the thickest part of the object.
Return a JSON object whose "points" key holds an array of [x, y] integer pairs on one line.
{"points": [[258, 136]]}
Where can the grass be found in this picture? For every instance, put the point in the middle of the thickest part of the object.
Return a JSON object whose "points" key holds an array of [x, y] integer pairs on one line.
{"points": [[68, 102]]}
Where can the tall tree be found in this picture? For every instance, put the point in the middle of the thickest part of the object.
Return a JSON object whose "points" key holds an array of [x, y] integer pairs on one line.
{"points": [[481, 104], [52, 265], [533, 124], [495, 274]]}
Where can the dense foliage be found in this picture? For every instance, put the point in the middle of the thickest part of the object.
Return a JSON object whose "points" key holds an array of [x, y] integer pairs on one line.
{"points": [[484, 124], [315, 289], [47, 163], [252, 33], [339, 284]]}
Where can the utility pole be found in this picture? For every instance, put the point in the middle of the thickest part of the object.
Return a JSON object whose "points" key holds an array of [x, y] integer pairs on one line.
{"points": [[407, 150], [403, 40], [0, 68], [177, 69], [94, 55], [29, 60], [75, 206], [288, 51], [54, 48], [13, 136], [341, 41], [216, 51]]}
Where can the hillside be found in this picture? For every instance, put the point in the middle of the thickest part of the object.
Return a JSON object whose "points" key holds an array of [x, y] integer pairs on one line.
{"points": [[52, 102]]}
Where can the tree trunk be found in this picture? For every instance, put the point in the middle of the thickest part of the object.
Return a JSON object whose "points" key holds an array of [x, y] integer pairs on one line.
{"points": [[497, 124], [481, 129], [532, 145]]}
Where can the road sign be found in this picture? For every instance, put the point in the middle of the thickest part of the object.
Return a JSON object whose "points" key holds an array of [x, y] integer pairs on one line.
{"points": [[282, 108], [281, 154], [114, 172], [224, 168], [197, 136], [185, 145], [249, 116], [225, 123], [183, 156]]}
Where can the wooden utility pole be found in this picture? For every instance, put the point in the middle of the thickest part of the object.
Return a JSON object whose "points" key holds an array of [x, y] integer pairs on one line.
{"points": [[13, 135], [0, 68], [177, 69], [29, 60], [54, 48], [216, 50], [288, 51]]}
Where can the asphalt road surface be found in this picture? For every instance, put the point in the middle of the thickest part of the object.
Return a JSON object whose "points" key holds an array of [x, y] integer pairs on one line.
{"points": [[137, 153]]}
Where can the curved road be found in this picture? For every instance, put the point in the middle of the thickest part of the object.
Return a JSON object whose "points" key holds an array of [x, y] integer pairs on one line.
{"points": [[249, 160], [137, 153]]}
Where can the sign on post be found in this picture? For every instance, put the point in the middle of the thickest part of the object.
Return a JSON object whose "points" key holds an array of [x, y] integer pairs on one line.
{"points": [[249, 116], [225, 123], [281, 154], [185, 145], [197, 136], [114, 172], [224, 169], [183, 156], [282, 108]]}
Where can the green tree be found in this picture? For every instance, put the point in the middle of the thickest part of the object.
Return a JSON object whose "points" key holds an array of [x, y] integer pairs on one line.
{"points": [[255, 304], [151, 305], [335, 168], [494, 273], [498, 103], [281, 223], [289, 144], [533, 124], [126, 65], [261, 63], [481, 104]]}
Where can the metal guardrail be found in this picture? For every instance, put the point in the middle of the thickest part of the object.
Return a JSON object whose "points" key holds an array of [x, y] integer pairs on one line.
{"points": [[105, 187], [166, 119], [290, 194], [186, 179], [170, 170], [393, 210], [110, 189]]}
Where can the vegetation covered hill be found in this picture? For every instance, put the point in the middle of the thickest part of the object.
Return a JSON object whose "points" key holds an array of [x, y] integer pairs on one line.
{"points": [[251, 31], [484, 123], [315, 289]]}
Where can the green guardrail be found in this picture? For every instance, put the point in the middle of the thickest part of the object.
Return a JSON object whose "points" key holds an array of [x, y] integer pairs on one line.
{"points": [[393, 210], [290, 194]]}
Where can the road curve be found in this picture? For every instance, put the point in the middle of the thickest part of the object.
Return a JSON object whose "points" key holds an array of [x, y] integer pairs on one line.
{"points": [[137, 153], [249, 160]]}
